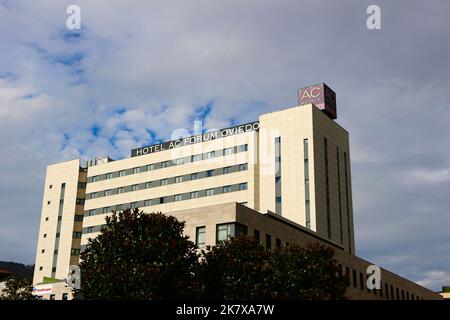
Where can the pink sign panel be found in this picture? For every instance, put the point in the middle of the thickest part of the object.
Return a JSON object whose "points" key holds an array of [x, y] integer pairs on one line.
{"points": [[321, 96]]}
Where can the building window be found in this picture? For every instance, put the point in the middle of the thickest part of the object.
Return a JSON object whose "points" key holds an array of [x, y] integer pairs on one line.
{"points": [[50, 186], [228, 151], [80, 201], [178, 161], [136, 170], [147, 203], [93, 195], [242, 148], [119, 207], [40, 268], [108, 192], [164, 182], [361, 281], [256, 235], [76, 234], [148, 185], [43, 251], [135, 187], [150, 167], [134, 205], [386, 289], [200, 236], [194, 194], [58, 234], [210, 155], [59, 218], [306, 176], [75, 252], [178, 197], [164, 164], [109, 176], [210, 173], [82, 185], [122, 173], [178, 179], [195, 176], [78, 217], [355, 280], [46, 218], [226, 170], [268, 241], [196, 157], [327, 187], [120, 190], [95, 178], [48, 202], [226, 189], [243, 167], [278, 204], [210, 192], [162, 200], [397, 295], [91, 212], [224, 232], [45, 235], [106, 209], [90, 229], [277, 243], [243, 186]]}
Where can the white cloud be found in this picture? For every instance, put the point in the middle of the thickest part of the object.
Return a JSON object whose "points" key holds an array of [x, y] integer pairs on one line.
{"points": [[435, 279]]}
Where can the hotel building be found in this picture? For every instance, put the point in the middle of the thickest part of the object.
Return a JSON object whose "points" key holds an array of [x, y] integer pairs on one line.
{"points": [[283, 178]]}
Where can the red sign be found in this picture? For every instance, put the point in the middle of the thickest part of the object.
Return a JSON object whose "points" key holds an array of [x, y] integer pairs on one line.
{"points": [[321, 96]]}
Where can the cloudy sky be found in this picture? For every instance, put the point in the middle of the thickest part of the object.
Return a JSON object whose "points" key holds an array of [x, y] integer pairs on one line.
{"points": [[139, 69]]}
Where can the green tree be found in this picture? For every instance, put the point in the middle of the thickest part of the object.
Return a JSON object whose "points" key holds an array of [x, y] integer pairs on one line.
{"points": [[306, 273], [241, 269], [235, 270], [139, 256], [18, 288]]}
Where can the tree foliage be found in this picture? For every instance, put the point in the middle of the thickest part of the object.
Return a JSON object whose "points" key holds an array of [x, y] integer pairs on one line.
{"points": [[241, 269], [139, 256], [306, 273], [18, 288], [235, 270]]}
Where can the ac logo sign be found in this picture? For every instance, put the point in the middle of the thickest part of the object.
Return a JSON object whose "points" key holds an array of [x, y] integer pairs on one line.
{"points": [[309, 94]]}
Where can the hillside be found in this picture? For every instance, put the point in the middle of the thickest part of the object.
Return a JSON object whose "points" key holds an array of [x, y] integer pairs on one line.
{"points": [[19, 269]]}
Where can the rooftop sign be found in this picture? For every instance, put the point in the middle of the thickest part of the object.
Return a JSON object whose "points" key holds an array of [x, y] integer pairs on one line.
{"points": [[321, 96], [208, 136]]}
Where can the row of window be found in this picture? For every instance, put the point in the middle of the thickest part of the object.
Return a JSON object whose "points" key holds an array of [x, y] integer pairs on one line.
{"points": [[386, 290], [168, 199], [169, 163], [81, 185], [77, 218], [53, 296], [168, 181], [226, 231]]}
